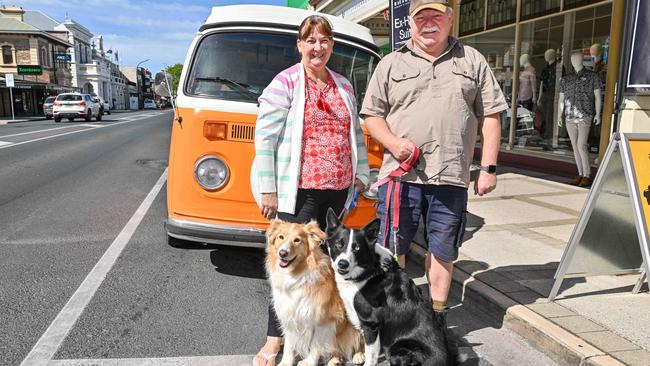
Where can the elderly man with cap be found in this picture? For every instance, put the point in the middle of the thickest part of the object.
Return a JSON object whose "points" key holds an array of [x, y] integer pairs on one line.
{"points": [[432, 96]]}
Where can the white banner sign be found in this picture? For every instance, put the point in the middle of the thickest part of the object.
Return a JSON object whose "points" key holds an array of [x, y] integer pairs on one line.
{"points": [[9, 80]]}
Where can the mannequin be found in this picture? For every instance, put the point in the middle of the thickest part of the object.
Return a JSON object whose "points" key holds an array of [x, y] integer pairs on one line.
{"points": [[580, 103], [546, 95], [527, 83]]}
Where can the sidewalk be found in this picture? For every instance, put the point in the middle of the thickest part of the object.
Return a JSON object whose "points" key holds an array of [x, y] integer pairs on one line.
{"points": [[514, 240]]}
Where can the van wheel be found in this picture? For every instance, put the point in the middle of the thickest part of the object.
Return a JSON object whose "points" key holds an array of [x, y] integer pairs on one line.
{"points": [[99, 117], [57, 119], [89, 115], [178, 243]]}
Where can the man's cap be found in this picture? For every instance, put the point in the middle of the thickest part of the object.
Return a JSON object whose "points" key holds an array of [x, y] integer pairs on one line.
{"points": [[417, 5]]}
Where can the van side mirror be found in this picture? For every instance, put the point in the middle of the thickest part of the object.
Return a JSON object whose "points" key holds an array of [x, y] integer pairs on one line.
{"points": [[161, 84]]}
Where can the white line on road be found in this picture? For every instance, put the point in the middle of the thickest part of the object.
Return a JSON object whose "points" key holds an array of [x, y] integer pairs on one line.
{"points": [[4, 143], [51, 340], [68, 133], [30, 132], [230, 360]]}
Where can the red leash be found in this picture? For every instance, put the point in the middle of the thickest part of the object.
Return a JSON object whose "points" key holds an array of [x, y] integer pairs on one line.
{"points": [[394, 180]]}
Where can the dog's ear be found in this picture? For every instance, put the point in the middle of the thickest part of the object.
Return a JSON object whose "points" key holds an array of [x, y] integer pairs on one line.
{"points": [[272, 229], [316, 235], [371, 231], [332, 220]]}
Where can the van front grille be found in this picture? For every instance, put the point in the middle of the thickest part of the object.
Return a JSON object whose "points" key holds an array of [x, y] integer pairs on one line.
{"points": [[242, 132]]}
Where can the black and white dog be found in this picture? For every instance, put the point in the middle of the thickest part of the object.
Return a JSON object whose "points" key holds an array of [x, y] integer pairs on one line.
{"points": [[383, 302]]}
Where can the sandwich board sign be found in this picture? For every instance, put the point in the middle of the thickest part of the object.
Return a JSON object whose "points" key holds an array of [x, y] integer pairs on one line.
{"points": [[611, 234]]}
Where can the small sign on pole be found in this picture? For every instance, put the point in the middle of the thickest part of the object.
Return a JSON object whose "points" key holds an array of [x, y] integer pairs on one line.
{"points": [[400, 32], [612, 232], [9, 81]]}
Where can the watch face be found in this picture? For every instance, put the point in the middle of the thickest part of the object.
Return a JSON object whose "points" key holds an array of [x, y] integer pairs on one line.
{"points": [[492, 168]]}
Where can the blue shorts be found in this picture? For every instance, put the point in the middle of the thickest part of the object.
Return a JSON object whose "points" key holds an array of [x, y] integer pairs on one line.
{"points": [[443, 209]]}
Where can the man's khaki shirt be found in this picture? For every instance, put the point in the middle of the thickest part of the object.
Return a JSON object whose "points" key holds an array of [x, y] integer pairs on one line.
{"points": [[437, 105]]}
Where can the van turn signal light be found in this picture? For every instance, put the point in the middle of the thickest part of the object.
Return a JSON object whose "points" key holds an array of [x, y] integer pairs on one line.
{"points": [[215, 130]]}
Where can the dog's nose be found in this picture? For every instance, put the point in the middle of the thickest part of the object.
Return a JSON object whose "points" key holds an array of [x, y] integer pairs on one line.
{"points": [[343, 264], [283, 253]]}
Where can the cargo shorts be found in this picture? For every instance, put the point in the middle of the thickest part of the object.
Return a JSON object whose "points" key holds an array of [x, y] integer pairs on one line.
{"points": [[443, 209]]}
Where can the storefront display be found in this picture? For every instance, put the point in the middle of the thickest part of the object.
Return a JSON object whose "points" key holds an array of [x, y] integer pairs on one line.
{"points": [[549, 32]]}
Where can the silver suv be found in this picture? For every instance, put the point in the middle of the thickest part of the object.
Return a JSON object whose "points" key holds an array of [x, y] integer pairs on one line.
{"points": [[47, 107], [75, 105]]}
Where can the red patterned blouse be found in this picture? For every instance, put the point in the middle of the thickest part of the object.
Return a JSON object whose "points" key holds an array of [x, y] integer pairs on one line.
{"points": [[326, 151]]}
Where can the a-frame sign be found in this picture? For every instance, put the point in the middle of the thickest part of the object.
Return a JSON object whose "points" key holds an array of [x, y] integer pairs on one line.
{"points": [[611, 235]]}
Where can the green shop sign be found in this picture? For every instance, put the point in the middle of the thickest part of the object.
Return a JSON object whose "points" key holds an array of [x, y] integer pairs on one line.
{"points": [[30, 70]]}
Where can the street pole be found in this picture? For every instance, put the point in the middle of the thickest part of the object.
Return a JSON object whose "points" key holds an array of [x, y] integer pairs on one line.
{"points": [[137, 80], [11, 95]]}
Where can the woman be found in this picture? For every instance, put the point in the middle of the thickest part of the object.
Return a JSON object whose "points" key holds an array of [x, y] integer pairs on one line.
{"points": [[309, 147]]}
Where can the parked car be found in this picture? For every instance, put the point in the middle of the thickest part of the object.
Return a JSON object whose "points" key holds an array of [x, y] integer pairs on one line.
{"points": [[75, 105], [104, 106], [149, 104], [47, 107]]}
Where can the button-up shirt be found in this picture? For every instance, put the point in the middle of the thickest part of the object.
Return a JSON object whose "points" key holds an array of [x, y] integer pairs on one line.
{"points": [[579, 97], [437, 105]]}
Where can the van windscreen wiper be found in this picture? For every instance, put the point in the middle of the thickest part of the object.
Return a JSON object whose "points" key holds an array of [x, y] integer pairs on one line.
{"points": [[248, 91]]}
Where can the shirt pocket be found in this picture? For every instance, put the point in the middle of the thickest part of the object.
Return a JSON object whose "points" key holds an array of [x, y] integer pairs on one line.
{"points": [[406, 85], [467, 84]]}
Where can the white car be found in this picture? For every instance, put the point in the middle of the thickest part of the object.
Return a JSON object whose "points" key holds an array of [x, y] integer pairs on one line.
{"points": [[104, 106], [149, 104], [75, 105]]}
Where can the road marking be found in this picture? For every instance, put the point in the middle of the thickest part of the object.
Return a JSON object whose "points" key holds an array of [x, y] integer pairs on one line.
{"points": [[70, 133], [49, 129], [4, 143], [51, 340], [229, 360]]}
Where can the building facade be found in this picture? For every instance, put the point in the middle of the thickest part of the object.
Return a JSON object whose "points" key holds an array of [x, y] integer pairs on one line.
{"points": [[528, 44], [30, 54]]}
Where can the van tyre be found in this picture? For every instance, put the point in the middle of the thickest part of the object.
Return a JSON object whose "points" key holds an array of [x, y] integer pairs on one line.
{"points": [[99, 117], [57, 119], [89, 115]]}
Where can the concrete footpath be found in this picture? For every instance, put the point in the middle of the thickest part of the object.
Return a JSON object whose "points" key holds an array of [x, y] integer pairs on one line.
{"points": [[514, 241]]}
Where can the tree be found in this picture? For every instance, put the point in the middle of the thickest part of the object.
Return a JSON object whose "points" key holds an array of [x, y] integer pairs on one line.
{"points": [[175, 72]]}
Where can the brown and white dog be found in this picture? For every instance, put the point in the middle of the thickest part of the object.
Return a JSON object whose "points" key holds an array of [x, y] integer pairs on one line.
{"points": [[305, 298]]}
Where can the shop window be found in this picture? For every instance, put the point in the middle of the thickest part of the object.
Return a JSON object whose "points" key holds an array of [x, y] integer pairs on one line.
{"points": [[571, 4], [44, 60], [534, 8], [7, 55], [501, 12], [472, 16]]}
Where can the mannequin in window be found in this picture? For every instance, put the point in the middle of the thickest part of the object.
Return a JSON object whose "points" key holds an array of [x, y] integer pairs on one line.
{"points": [[546, 95], [600, 68], [580, 104], [527, 83]]}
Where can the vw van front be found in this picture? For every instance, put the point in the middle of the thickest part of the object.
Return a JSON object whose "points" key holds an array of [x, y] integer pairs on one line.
{"points": [[233, 57]]}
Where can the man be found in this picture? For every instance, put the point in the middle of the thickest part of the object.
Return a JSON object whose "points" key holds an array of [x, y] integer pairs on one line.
{"points": [[433, 93]]}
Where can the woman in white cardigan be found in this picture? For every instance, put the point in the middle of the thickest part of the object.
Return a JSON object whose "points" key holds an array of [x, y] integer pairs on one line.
{"points": [[310, 153]]}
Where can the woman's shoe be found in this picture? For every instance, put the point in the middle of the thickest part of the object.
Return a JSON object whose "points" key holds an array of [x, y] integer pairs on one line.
{"points": [[268, 359], [575, 181], [585, 182]]}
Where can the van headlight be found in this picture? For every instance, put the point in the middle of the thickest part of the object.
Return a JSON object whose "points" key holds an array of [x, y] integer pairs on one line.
{"points": [[371, 193], [211, 172]]}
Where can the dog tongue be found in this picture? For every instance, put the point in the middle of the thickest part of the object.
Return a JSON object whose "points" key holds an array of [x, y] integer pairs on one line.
{"points": [[284, 263]]}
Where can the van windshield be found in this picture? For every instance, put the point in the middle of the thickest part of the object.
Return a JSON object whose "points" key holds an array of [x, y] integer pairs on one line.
{"points": [[238, 66]]}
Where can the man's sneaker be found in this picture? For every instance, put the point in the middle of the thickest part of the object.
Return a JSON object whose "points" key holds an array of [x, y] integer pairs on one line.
{"points": [[585, 182], [576, 181]]}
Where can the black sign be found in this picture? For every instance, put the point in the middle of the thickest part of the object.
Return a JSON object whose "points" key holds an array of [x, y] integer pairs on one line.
{"points": [[400, 32], [638, 67], [62, 57], [29, 70]]}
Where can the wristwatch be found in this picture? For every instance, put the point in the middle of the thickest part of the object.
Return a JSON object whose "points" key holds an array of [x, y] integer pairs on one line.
{"points": [[492, 169]]}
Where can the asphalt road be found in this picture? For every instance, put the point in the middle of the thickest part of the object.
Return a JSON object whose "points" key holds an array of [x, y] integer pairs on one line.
{"points": [[87, 276]]}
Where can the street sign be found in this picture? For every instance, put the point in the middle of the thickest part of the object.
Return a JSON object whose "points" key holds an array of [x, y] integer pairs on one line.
{"points": [[611, 235], [29, 69], [638, 68], [62, 57], [9, 80], [399, 25]]}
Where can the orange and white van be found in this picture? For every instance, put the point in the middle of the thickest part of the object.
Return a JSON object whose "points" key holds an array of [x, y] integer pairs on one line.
{"points": [[233, 57]]}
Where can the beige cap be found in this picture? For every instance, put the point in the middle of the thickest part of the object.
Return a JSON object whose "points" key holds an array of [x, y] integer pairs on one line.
{"points": [[417, 5]]}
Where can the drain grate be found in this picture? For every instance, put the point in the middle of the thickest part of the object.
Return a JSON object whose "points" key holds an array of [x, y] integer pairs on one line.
{"points": [[152, 163]]}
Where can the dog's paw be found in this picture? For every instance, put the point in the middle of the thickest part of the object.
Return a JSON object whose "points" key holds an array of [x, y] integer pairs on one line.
{"points": [[335, 361], [359, 358]]}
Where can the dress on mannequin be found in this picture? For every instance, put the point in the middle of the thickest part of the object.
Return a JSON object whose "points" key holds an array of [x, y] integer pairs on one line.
{"points": [[580, 103], [546, 100], [527, 83]]}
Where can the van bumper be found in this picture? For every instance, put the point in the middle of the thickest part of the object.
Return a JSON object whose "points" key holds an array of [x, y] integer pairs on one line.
{"points": [[215, 234]]}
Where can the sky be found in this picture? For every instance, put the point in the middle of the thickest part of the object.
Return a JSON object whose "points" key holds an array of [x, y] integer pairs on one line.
{"points": [[160, 31]]}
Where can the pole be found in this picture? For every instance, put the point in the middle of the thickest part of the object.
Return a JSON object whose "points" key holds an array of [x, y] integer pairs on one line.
{"points": [[11, 96], [514, 95]]}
